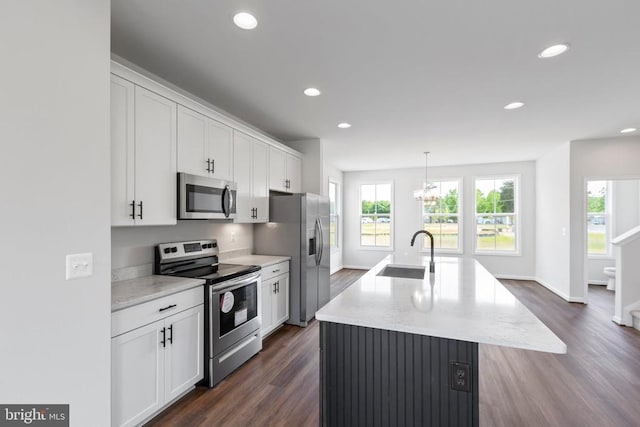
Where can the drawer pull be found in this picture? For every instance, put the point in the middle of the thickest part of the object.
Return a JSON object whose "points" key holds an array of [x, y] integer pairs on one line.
{"points": [[167, 308], [276, 270]]}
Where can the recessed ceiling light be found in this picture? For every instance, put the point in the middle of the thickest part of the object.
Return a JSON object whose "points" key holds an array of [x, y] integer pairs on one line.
{"points": [[555, 50], [344, 125], [628, 130], [514, 105], [311, 91], [245, 20]]}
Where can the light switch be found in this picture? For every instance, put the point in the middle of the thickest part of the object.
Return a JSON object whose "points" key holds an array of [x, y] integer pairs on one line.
{"points": [[79, 265]]}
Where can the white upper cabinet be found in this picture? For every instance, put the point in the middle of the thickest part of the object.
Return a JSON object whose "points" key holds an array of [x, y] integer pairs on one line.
{"points": [[251, 175], [285, 171], [294, 173], [205, 146], [122, 150], [143, 156]]}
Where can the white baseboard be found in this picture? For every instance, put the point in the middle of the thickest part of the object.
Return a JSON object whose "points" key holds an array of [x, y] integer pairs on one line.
{"points": [[598, 282], [338, 268], [513, 277], [618, 320], [357, 267], [559, 293]]}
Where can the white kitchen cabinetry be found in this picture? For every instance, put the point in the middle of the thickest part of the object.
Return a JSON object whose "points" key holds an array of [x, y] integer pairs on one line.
{"points": [[251, 175], [143, 156], [285, 171], [158, 357], [275, 296], [205, 146]]}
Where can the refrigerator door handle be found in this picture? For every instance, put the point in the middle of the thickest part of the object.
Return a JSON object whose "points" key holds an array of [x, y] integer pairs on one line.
{"points": [[317, 237], [321, 241]]}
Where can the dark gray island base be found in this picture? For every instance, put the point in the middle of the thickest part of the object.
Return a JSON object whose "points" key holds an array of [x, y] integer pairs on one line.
{"points": [[378, 377]]}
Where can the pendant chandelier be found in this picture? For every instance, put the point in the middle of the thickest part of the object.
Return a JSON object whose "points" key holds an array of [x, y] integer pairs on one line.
{"points": [[422, 195]]}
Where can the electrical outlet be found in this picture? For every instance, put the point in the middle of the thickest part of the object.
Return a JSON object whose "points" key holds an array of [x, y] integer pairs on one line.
{"points": [[78, 265], [460, 376]]}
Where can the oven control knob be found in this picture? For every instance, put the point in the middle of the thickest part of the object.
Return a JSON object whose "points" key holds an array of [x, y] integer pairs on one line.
{"points": [[174, 249], [167, 250]]}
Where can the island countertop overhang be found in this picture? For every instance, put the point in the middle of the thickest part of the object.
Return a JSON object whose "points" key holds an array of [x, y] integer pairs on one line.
{"points": [[460, 301]]}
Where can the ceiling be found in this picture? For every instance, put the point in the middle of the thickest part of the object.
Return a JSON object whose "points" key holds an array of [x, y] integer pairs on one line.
{"points": [[410, 75]]}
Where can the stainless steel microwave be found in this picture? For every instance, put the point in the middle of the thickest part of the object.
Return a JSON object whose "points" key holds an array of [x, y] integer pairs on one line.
{"points": [[200, 197]]}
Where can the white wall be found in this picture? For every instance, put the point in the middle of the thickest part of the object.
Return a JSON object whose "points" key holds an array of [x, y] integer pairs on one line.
{"points": [[407, 219], [552, 220], [331, 172], [54, 184], [607, 158], [131, 246], [625, 214]]}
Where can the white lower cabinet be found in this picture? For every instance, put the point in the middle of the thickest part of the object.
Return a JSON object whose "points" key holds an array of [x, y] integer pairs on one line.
{"points": [[275, 297], [154, 364]]}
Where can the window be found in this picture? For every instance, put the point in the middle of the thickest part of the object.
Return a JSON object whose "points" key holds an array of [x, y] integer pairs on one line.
{"points": [[440, 215], [375, 215], [334, 215], [597, 218], [496, 216]]}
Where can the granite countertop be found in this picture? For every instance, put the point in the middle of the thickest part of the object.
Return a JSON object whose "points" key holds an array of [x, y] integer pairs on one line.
{"points": [[132, 292], [261, 260], [460, 301]]}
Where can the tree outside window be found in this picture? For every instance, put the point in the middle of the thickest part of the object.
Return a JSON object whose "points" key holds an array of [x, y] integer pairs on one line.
{"points": [[597, 218], [440, 215], [496, 215], [375, 215]]}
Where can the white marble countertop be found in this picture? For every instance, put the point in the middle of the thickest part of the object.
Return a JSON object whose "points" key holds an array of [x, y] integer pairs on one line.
{"points": [[261, 260], [460, 301], [131, 292]]}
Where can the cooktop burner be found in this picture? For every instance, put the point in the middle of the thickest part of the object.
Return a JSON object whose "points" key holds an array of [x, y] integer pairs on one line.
{"points": [[197, 259], [219, 273]]}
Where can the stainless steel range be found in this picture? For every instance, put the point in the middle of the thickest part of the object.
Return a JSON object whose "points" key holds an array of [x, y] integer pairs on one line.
{"points": [[232, 322]]}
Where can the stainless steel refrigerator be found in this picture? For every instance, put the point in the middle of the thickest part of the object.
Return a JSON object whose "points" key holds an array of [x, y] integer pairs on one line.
{"points": [[299, 227]]}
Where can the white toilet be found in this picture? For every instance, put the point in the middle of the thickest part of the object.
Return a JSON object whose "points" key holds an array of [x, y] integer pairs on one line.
{"points": [[610, 272]]}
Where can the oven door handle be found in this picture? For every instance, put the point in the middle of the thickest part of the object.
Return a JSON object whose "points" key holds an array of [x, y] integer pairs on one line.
{"points": [[234, 284]]}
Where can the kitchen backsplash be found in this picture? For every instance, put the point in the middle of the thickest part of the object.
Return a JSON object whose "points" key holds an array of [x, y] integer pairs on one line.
{"points": [[132, 247]]}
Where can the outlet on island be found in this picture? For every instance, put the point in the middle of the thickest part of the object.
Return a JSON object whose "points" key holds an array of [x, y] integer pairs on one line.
{"points": [[460, 376]]}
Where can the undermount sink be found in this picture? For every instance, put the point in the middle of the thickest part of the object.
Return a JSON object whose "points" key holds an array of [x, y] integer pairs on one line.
{"points": [[402, 271]]}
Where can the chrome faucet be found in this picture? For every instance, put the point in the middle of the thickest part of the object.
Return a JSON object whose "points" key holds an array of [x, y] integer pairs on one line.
{"points": [[432, 265]]}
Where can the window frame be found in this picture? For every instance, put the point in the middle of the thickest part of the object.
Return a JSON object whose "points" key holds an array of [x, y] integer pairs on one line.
{"points": [[389, 248], [460, 216], [337, 214], [608, 218], [517, 217]]}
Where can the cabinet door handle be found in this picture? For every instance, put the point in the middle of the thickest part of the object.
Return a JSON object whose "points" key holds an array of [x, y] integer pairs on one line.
{"points": [[208, 165], [171, 334], [133, 209], [166, 308], [164, 337], [274, 287], [213, 165], [140, 206]]}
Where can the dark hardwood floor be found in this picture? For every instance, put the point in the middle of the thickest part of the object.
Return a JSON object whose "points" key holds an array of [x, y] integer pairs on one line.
{"points": [[342, 279], [597, 383]]}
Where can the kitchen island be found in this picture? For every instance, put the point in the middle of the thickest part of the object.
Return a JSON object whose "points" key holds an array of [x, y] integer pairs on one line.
{"points": [[397, 350]]}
